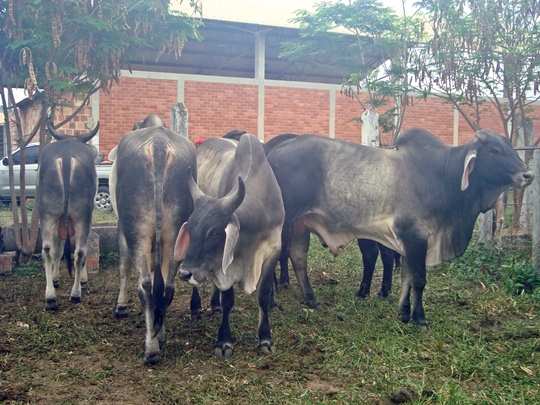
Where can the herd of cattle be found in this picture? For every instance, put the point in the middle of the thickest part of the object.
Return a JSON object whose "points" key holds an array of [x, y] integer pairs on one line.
{"points": [[231, 208]]}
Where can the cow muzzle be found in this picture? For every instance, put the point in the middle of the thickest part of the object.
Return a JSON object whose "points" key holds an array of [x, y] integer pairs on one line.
{"points": [[188, 277], [523, 179]]}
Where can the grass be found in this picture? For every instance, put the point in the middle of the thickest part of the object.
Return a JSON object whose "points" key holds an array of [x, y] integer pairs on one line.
{"points": [[482, 348]]}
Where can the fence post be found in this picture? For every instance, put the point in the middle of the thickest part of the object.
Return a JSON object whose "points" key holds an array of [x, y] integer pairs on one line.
{"points": [[370, 128], [179, 119], [485, 225], [536, 210]]}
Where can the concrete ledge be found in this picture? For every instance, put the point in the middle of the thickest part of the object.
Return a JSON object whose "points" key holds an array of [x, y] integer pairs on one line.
{"points": [[103, 238]]}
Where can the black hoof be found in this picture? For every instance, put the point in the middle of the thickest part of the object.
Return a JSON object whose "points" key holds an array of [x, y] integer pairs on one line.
{"points": [[217, 311], [56, 283], [383, 294], [197, 315], [150, 358], [51, 305], [75, 300], [313, 303], [361, 294], [267, 347], [223, 351], [120, 311]]}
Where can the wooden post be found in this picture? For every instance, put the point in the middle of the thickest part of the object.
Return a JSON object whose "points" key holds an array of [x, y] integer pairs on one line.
{"points": [[179, 119], [536, 210]]}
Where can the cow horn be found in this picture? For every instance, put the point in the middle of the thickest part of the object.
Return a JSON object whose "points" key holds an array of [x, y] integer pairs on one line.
{"points": [[57, 135], [86, 137], [83, 137], [194, 189], [232, 201]]}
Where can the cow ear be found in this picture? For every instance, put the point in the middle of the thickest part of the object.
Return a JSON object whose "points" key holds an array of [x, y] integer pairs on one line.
{"points": [[468, 167], [182, 243], [231, 231]]}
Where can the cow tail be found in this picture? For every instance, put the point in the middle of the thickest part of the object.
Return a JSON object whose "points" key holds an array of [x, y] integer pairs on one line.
{"points": [[158, 287], [66, 174]]}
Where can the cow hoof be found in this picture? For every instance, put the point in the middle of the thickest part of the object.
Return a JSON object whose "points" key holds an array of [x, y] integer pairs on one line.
{"points": [[75, 300], [56, 283], [383, 294], [267, 347], [361, 294], [223, 351], [150, 358], [423, 325], [120, 311], [217, 311], [405, 318], [313, 303], [197, 315], [284, 283], [50, 304]]}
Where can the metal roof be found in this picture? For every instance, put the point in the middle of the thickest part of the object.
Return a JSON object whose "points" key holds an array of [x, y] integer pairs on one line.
{"points": [[228, 49]]}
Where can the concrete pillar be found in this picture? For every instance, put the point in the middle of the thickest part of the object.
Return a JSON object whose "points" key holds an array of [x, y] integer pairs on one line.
{"points": [[370, 128], [179, 119]]}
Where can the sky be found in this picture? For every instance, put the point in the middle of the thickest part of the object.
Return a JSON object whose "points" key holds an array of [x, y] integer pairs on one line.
{"points": [[265, 12]]}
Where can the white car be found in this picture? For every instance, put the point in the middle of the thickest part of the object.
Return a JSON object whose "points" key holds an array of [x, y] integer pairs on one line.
{"points": [[31, 167]]}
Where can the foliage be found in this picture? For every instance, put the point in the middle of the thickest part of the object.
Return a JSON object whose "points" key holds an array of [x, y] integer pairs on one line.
{"points": [[484, 52], [60, 51], [65, 46], [347, 31]]}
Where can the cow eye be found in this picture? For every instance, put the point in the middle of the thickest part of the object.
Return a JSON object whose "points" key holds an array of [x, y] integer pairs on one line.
{"points": [[494, 151], [213, 235]]}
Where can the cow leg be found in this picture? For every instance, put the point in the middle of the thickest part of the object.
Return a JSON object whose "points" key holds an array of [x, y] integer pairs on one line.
{"points": [[266, 344], [52, 253], [284, 265], [370, 252], [195, 305], [151, 344], [82, 230], [387, 258], [298, 250], [121, 307], [404, 299], [414, 275], [215, 302], [223, 347]]}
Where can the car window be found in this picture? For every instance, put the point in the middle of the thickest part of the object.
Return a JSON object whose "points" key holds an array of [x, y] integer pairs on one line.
{"points": [[32, 154]]}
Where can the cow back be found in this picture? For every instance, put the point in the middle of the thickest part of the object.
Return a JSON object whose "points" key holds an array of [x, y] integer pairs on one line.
{"points": [[83, 178]]}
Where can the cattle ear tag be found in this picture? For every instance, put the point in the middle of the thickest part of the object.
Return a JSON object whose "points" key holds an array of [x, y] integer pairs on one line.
{"points": [[468, 167], [231, 237], [182, 243]]}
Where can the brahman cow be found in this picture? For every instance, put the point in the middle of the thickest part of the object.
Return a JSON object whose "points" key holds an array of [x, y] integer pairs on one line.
{"points": [[150, 194], [67, 182], [421, 199], [234, 233]]}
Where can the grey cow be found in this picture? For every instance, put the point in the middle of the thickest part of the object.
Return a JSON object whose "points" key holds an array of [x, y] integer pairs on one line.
{"points": [[234, 233], [421, 199], [149, 191], [67, 182]]}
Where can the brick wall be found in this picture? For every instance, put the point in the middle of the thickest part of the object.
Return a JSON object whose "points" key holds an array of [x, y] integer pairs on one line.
{"points": [[295, 110], [216, 108], [131, 101]]}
